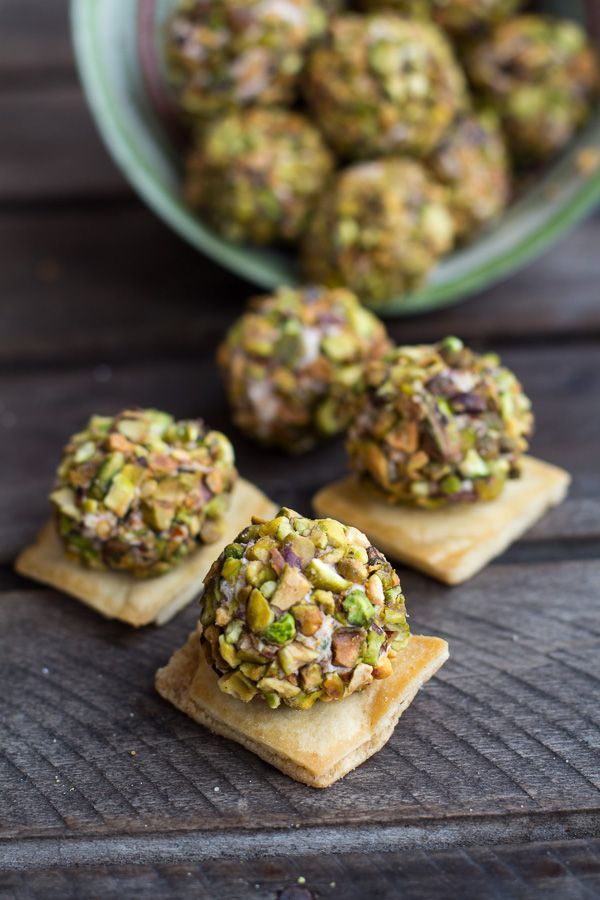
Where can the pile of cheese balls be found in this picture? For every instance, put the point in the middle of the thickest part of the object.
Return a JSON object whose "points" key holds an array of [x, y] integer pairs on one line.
{"points": [[372, 142]]}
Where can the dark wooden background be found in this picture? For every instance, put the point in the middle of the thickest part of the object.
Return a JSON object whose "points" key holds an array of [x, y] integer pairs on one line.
{"points": [[488, 788]]}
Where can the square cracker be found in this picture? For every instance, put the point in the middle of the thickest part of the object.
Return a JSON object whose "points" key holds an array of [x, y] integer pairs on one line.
{"points": [[452, 543], [316, 746], [136, 601]]}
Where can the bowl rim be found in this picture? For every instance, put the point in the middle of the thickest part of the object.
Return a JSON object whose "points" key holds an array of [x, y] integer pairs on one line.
{"points": [[431, 296]]}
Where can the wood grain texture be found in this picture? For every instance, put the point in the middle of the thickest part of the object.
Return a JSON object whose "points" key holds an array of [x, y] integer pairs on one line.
{"points": [[35, 44], [557, 870], [509, 725], [38, 166], [108, 281]]}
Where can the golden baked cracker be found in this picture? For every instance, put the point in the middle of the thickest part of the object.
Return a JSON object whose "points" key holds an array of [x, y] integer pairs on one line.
{"points": [[118, 595], [316, 746], [454, 542]]}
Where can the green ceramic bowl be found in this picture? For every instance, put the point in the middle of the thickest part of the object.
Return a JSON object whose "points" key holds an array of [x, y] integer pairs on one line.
{"points": [[114, 41]]}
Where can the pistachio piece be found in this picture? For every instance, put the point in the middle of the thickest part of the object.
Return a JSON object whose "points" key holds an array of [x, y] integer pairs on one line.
{"points": [[473, 466], [281, 630], [308, 617], [278, 686], [302, 547], [291, 588], [333, 686], [259, 614], [311, 677], [326, 600], [238, 686], [112, 464], [358, 609], [375, 590], [304, 701], [353, 570], [371, 651], [228, 653], [383, 669], [233, 631], [253, 671], [294, 656], [64, 500], [326, 577], [346, 647], [231, 569], [361, 676], [122, 492], [335, 531]]}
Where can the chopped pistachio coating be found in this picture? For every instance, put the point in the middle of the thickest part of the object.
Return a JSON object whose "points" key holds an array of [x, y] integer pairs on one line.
{"points": [[293, 364], [381, 84], [472, 163], [229, 54], [459, 17], [256, 175], [298, 610], [379, 230], [440, 424], [138, 491], [542, 76]]}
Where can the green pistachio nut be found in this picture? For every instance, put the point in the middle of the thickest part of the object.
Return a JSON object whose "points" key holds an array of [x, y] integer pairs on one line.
{"points": [[238, 686], [259, 614], [359, 610], [371, 652], [281, 630], [326, 577]]}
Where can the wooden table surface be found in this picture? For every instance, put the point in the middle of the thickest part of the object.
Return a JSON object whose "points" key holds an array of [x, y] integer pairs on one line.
{"points": [[489, 786]]}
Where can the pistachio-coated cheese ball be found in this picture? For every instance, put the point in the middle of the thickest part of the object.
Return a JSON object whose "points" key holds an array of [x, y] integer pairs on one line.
{"points": [[256, 175], [542, 76], [472, 163], [299, 610], [459, 17], [230, 54], [293, 364], [139, 491], [379, 229], [440, 424], [380, 84]]}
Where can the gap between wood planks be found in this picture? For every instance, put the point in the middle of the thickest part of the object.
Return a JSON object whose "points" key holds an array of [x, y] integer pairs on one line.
{"points": [[565, 869], [244, 843]]}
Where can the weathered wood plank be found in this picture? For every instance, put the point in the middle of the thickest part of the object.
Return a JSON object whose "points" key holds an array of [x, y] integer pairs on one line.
{"points": [[35, 45], [50, 148], [112, 282], [510, 726], [569, 870], [106, 283], [39, 411]]}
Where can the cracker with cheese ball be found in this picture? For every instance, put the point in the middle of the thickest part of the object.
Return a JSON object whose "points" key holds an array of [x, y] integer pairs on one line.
{"points": [[438, 446], [142, 504], [303, 653]]}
